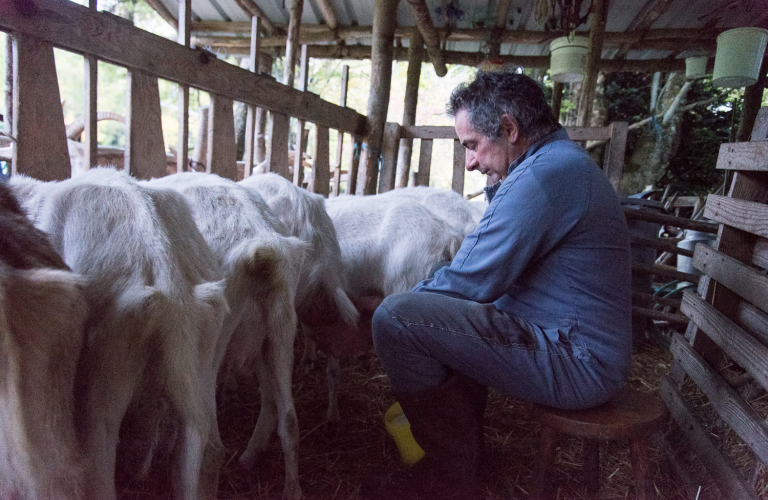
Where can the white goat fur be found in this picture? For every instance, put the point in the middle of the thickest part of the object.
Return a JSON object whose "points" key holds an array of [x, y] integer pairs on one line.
{"points": [[463, 215], [157, 308], [389, 244], [239, 226]]}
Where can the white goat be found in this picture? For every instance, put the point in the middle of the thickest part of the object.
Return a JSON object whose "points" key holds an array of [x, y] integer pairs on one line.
{"points": [[238, 224], [157, 308]]}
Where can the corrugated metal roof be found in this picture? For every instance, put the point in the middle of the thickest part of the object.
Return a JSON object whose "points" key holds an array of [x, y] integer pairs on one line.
{"points": [[623, 15]]}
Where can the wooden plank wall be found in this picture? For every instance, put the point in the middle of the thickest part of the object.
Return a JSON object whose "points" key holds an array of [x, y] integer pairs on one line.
{"points": [[726, 343]]}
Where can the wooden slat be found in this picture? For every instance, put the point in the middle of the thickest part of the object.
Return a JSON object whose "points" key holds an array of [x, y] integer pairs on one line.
{"points": [[38, 121], [745, 215], [298, 165], [321, 166], [753, 320], [184, 29], [664, 271], [678, 319], [145, 148], [748, 283], [389, 146], [425, 163], [668, 246], [354, 163], [744, 156], [760, 254], [613, 158], [222, 148], [589, 133], [428, 132], [277, 154], [724, 399], [249, 150], [90, 109], [76, 28], [646, 215], [746, 350], [718, 465], [457, 183]]}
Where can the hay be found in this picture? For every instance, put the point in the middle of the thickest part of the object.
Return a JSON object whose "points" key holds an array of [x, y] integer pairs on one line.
{"points": [[334, 458]]}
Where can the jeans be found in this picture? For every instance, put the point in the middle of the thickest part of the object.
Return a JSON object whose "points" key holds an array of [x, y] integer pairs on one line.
{"points": [[421, 338]]}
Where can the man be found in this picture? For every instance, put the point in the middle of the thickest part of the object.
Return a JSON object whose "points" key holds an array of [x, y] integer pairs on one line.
{"points": [[536, 303]]}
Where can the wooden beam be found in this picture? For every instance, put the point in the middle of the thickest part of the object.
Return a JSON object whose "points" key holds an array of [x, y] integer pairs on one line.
{"points": [[354, 164], [328, 13], [415, 56], [745, 281], [144, 145], [38, 120], [589, 85], [252, 9], [557, 99], [184, 35], [71, 26], [384, 23], [753, 98], [748, 216], [292, 42], [643, 22], [162, 10], [340, 134], [90, 101], [430, 35], [502, 12], [745, 156]]}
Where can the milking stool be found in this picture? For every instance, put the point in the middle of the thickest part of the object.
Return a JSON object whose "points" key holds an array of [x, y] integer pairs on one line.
{"points": [[631, 416]]}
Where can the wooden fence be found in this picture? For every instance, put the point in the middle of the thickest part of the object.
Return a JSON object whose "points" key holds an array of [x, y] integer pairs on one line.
{"points": [[38, 122]]}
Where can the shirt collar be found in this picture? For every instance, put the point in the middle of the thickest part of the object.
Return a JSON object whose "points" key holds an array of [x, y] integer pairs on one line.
{"points": [[558, 135]]}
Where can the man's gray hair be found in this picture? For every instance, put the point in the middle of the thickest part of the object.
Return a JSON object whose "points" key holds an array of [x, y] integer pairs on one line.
{"points": [[492, 95]]}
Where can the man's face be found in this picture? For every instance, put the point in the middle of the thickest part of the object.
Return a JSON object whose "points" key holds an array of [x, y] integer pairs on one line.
{"points": [[491, 157]]}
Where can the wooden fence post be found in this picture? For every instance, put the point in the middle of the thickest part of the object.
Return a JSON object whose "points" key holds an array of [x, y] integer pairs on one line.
{"points": [[144, 145]]}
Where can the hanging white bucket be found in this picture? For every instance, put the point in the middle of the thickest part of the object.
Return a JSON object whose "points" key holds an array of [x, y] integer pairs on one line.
{"points": [[569, 56], [739, 55], [695, 67]]}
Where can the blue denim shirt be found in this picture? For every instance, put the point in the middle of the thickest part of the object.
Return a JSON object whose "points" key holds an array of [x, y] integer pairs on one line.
{"points": [[552, 248]]}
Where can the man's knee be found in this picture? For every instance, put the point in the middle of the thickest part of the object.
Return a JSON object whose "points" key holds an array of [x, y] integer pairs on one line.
{"points": [[385, 325]]}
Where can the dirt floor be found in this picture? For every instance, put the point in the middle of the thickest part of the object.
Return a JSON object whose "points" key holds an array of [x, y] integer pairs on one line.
{"points": [[334, 458]]}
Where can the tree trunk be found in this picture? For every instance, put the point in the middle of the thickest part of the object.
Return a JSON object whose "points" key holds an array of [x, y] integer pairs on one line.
{"points": [[658, 140]]}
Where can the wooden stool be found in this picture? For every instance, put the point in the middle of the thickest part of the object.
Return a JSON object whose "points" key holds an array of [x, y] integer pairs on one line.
{"points": [[631, 416]]}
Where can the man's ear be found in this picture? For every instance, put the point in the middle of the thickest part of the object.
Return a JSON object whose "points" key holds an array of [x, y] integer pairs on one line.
{"points": [[510, 128]]}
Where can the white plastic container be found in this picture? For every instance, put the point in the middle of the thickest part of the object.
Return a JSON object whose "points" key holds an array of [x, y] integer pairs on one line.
{"points": [[568, 58], [695, 67], [739, 54], [684, 264]]}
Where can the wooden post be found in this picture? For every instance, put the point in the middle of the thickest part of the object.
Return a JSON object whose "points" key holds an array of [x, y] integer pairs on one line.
{"points": [[458, 167], [277, 154], [182, 146], [200, 153], [301, 144], [557, 99], [326, 7], [292, 42], [415, 55], [384, 24], [144, 145], [90, 67], [425, 162], [250, 118], [354, 163], [430, 34], [588, 86], [389, 146], [38, 120], [222, 149], [753, 97], [613, 157], [340, 134], [8, 118], [265, 67], [321, 166]]}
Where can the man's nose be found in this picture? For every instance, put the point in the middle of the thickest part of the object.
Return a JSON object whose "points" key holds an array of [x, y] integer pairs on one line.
{"points": [[470, 163]]}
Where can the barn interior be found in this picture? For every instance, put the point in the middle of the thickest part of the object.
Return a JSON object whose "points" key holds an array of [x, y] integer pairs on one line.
{"points": [[703, 352]]}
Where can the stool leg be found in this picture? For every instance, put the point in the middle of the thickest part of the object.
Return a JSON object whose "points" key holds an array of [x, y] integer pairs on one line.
{"points": [[638, 449], [592, 464], [545, 462]]}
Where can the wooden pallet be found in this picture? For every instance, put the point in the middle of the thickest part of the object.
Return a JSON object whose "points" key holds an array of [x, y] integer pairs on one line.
{"points": [[729, 320]]}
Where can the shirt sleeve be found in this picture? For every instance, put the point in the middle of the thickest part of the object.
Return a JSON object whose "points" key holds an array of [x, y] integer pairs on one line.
{"points": [[529, 216]]}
